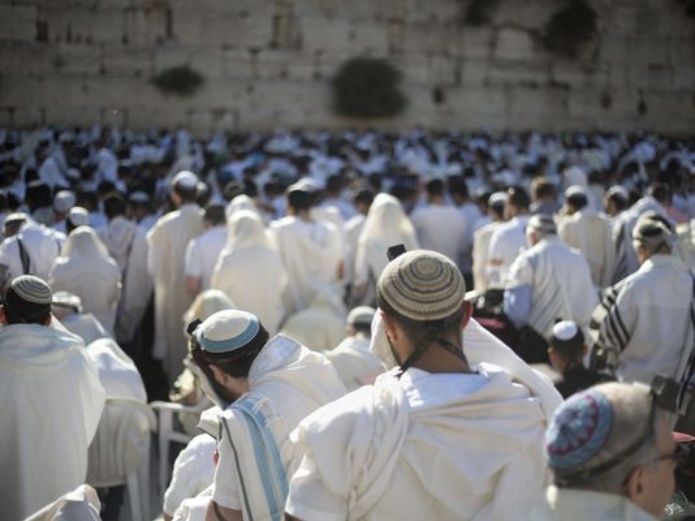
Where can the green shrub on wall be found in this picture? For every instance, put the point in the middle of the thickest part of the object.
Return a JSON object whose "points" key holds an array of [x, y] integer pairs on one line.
{"points": [[180, 80], [368, 88], [569, 28]]}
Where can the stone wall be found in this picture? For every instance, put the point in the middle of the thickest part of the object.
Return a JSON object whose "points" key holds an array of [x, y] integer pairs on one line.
{"points": [[268, 63]]}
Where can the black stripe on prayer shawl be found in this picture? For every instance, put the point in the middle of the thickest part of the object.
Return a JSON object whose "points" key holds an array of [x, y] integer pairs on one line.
{"points": [[619, 318], [548, 304], [615, 333]]}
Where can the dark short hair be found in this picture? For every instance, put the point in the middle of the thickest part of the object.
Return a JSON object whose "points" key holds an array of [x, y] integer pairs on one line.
{"points": [[114, 205], [365, 197], [577, 201], [435, 187], [20, 311], [300, 200], [518, 197], [214, 214], [661, 192], [543, 187]]}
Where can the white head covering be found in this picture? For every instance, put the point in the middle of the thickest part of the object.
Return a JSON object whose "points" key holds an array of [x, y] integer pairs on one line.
{"points": [[206, 304], [63, 201], [186, 180], [387, 222], [240, 202], [246, 229], [84, 242], [78, 216]]}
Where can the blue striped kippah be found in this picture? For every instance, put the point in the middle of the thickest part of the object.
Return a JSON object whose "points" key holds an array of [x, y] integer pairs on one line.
{"points": [[579, 429], [227, 330]]}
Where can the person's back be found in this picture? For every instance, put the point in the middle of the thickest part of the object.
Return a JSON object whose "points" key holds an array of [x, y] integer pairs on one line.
{"points": [[432, 439], [441, 229], [52, 401], [31, 252]]}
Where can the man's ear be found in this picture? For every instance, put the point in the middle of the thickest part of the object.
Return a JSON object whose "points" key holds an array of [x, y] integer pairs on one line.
{"points": [[389, 326], [467, 313], [3, 317], [634, 486]]}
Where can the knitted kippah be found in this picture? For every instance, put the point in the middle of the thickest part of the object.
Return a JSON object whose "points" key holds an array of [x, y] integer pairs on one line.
{"points": [[361, 315], [422, 285], [651, 232], [579, 430], [227, 331], [542, 223], [32, 289]]}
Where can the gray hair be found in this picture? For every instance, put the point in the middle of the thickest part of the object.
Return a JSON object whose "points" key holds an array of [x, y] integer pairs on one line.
{"points": [[632, 414]]}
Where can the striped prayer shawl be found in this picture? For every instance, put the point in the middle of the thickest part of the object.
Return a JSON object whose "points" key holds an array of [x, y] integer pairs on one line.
{"points": [[262, 477], [609, 330], [549, 300]]}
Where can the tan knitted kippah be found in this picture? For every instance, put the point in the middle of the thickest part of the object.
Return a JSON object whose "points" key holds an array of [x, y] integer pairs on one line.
{"points": [[422, 285], [32, 289]]}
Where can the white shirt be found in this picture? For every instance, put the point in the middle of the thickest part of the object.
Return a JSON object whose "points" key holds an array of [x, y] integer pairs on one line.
{"points": [[203, 253], [194, 470], [442, 229], [506, 243]]}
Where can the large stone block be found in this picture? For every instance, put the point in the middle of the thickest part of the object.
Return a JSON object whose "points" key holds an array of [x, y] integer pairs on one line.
{"points": [[415, 68], [191, 26], [145, 26], [18, 21], [516, 72], [126, 60], [327, 34], [82, 23], [477, 42], [77, 58], [239, 63], [513, 44], [26, 58]]}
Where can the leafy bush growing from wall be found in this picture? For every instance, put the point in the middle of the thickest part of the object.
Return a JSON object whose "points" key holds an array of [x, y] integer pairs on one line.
{"points": [[180, 80], [368, 88], [569, 28]]}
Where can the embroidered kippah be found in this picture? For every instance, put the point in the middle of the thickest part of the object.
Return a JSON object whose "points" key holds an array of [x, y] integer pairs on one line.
{"points": [[579, 430], [227, 331], [32, 289], [422, 285]]}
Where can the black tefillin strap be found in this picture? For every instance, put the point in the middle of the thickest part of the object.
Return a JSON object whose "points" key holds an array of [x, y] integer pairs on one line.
{"points": [[434, 330]]}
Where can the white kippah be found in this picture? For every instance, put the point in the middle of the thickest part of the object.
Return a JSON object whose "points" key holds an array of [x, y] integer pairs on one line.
{"points": [[305, 184], [16, 217], [139, 197], [565, 330], [575, 191], [618, 190], [227, 331], [361, 315], [78, 216], [32, 289], [63, 201], [498, 198], [67, 300], [186, 180], [542, 223]]}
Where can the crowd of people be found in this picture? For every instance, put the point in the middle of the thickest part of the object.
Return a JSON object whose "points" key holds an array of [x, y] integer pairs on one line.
{"points": [[374, 326]]}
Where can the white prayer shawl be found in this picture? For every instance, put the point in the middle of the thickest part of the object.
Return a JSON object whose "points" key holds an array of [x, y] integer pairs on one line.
{"points": [[84, 325], [317, 328], [442, 229], [560, 282], [386, 225], [479, 345], [354, 362], [168, 240], [353, 228], [591, 234], [194, 470], [481, 245], [42, 249], [287, 382], [566, 504], [86, 270], [645, 319], [626, 261], [127, 245], [52, 401], [311, 253], [81, 504], [117, 372], [506, 243], [423, 446], [250, 271]]}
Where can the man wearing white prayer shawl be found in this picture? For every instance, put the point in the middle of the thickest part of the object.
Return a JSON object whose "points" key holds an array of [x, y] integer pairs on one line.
{"points": [[168, 241], [442, 436], [67, 309], [549, 281], [86, 270], [626, 261], [310, 250], [127, 245], [265, 388], [355, 363], [643, 326], [386, 225], [32, 251], [590, 233], [481, 240], [321, 325], [440, 227], [52, 401], [203, 251], [250, 270], [509, 239]]}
